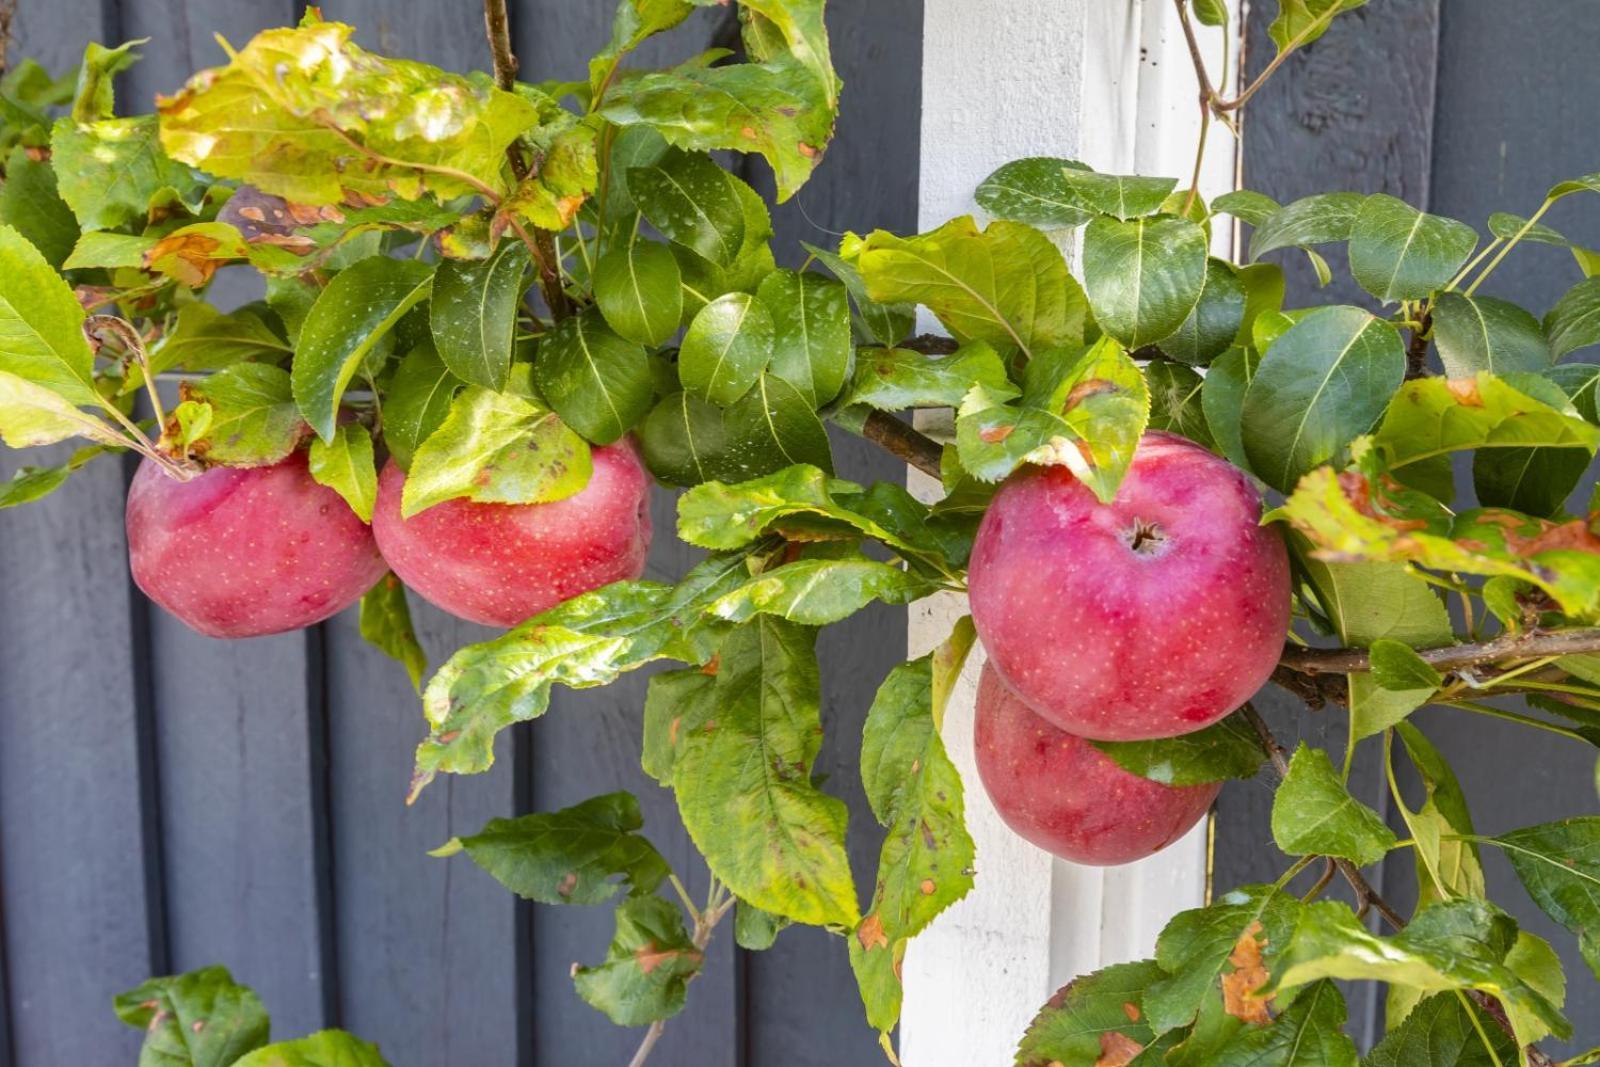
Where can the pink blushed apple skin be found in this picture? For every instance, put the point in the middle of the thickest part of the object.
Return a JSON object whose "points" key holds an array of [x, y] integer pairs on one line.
{"points": [[499, 564], [1113, 642], [242, 552], [1066, 796]]}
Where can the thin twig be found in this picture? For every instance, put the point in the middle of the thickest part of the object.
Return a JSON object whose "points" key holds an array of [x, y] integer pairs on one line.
{"points": [[498, 26], [1508, 647], [1417, 350], [8, 11]]}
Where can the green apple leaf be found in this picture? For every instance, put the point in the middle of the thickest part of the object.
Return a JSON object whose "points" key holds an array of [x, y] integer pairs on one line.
{"points": [[1120, 196], [417, 401], [891, 379], [1222, 401], [578, 855], [1323, 383], [1477, 333], [207, 339], [726, 348], [1359, 516], [811, 332], [1559, 865], [386, 625], [1223, 750], [1400, 253], [1574, 322], [33, 415], [1035, 192], [1447, 863], [1006, 285], [1309, 1033], [638, 288], [584, 642], [357, 310], [254, 420], [1246, 205], [496, 448], [672, 698], [647, 968], [598, 382], [1461, 944], [473, 313], [1325, 218], [304, 114], [926, 861], [1092, 1018], [346, 466], [1445, 1030], [1143, 276], [325, 1048], [772, 426], [41, 324], [1397, 666], [635, 22], [199, 1019], [684, 441], [816, 592], [782, 104], [1299, 22], [1083, 411], [1433, 417], [32, 483], [1175, 401], [1196, 950], [109, 171], [1214, 322], [887, 324], [694, 203], [743, 779], [799, 501], [30, 204], [1313, 814]]}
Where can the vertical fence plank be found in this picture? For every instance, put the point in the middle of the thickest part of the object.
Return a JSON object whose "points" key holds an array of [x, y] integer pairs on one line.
{"points": [[427, 948], [233, 719], [1498, 145], [81, 896]]}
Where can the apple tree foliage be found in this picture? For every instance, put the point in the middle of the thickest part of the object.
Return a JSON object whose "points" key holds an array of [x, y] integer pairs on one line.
{"points": [[485, 278]]}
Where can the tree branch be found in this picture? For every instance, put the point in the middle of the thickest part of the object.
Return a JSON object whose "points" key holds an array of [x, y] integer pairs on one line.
{"points": [[542, 243], [903, 442], [8, 11], [1417, 350], [498, 26], [1531, 645]]}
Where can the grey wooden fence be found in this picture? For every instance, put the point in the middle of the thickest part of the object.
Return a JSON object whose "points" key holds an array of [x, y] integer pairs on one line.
{"points": [[167, 801], [1464, 107]]}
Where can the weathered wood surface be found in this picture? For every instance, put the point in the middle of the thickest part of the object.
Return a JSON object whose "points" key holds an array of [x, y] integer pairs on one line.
{"points": [[168, 801], [1465, 108]]}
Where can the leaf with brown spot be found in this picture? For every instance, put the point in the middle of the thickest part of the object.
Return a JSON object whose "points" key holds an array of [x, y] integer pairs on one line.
{"points": [[200, 1019], [579, 855], [647, 967], [1238, 987], [870, 933], [1117, 1050], [191, 255]]}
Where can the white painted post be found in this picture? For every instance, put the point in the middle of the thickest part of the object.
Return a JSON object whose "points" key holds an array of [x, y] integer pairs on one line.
{"points": [[1108, 82]]}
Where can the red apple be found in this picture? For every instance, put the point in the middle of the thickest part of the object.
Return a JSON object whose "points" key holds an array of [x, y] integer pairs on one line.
{"points": [[1066, 796], [499, 564], [240, 552], [1151, 616]]}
